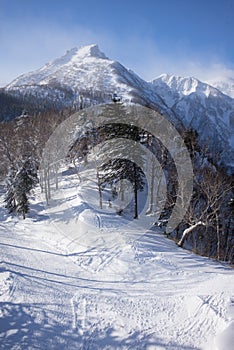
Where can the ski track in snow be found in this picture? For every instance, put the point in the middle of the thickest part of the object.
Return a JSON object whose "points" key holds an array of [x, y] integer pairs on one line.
{"points": [[102, 289]]}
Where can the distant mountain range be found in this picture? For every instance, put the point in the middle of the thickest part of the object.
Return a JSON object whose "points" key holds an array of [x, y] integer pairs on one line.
{"points": [[86, 76]]}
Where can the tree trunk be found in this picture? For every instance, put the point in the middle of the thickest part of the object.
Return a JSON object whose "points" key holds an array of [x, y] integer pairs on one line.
{"points": [[152, 178], [99, 189], [46, 186], [135, 194], [41, 180], [218, 238], [122, 190], [56, 177], [77, 169], [48, 183], [187, 232]]}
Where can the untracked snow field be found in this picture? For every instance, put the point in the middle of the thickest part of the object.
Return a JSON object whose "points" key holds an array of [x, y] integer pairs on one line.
{"points": [[73, 277]]}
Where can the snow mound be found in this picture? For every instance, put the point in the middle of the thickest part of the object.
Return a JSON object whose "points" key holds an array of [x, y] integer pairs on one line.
{"points": [[225, 340], [5, 285]]}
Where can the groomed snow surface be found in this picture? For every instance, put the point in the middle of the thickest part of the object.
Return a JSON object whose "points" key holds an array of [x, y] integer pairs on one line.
{"points": [[74, 277]]}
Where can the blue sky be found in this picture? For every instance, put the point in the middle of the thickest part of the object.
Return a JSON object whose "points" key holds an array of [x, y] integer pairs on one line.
{"points": [[184, 37]]}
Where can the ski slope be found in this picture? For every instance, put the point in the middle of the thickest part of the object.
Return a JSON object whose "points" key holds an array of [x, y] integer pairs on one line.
{"points": [[75, 277]]}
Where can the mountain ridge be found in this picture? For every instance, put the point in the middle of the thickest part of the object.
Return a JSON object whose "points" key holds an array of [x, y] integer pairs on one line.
{"points": [[87, 74]]}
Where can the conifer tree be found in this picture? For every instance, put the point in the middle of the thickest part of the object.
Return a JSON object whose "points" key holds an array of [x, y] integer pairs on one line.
{"points": [[10, 200], [21, 181], [121, 168]]}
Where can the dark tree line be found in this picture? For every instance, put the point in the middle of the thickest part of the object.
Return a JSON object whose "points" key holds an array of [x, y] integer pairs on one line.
{"points": [[208, 226], [21, 143]]}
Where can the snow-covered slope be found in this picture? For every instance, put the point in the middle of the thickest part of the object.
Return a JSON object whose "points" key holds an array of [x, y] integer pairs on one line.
{"points": [[102, 287]]}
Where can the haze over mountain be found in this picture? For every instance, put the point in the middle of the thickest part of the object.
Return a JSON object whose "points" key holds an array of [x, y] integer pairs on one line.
{"points": [[86, 76], [226, 85]]}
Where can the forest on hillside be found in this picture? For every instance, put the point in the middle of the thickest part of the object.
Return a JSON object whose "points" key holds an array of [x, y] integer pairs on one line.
{"points": [[208, 226]]}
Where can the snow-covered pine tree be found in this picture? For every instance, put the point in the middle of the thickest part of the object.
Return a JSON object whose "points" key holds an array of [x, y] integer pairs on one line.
{"points": [[20, 183], [118, 169], [22, 207], [10, 200]]}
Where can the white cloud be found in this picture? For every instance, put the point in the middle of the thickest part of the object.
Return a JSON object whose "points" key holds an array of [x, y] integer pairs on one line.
{"points": [[149, 61], [155, 62], [25, 48]]}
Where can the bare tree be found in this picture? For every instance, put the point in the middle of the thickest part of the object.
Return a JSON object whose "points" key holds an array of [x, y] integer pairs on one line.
{"points": [[212, 189]]}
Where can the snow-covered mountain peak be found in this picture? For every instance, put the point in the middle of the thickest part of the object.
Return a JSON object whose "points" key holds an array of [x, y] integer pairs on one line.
{"points": [[173, 88], [83, 71], [198, 105], [78, 54], [90, 51], [183, 85], [62, 68]]}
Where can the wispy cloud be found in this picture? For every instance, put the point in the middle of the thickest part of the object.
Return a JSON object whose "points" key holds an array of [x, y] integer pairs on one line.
{"points": [[24, 49], [151, 61], [28, 46], [213, 72]]}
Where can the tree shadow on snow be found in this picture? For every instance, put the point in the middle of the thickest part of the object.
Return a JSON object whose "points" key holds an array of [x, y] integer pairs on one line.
{"points": [[25, 326], [100, 340], [35, 326]]}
